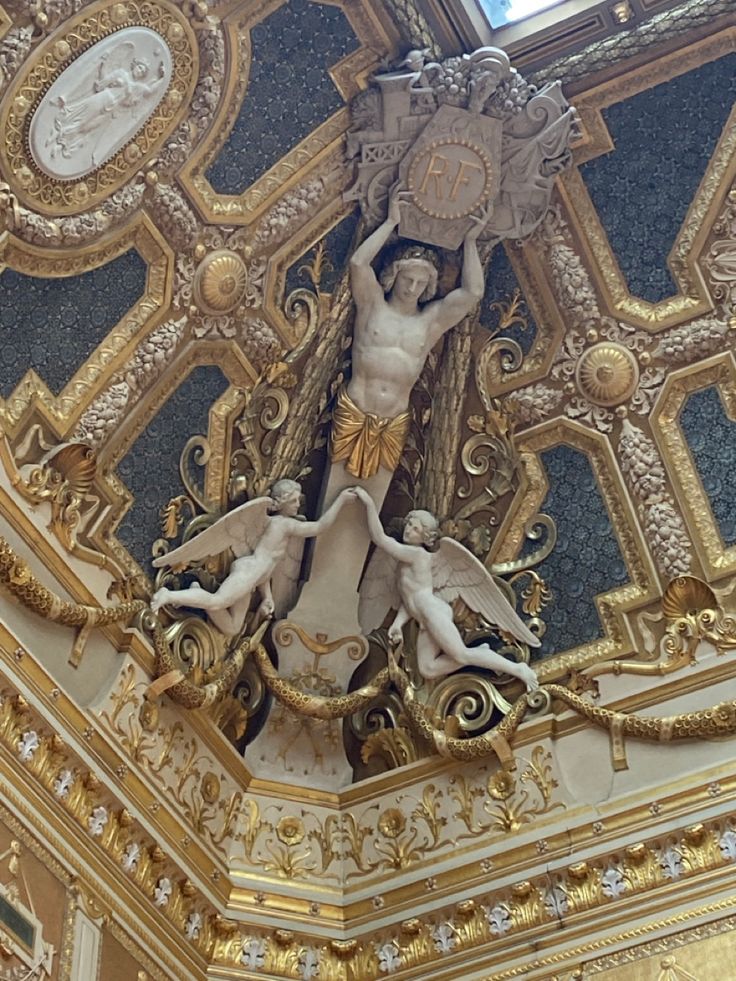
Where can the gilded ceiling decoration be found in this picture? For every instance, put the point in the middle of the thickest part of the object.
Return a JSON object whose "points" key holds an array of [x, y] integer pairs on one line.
{"points": [[275, 522]]}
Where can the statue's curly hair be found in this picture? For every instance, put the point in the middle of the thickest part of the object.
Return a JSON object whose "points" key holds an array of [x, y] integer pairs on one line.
{"points": [[429, 523], [411, 253]]}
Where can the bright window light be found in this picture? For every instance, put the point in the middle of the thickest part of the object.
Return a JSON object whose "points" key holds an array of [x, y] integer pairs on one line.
{"points": [[507, 11]]}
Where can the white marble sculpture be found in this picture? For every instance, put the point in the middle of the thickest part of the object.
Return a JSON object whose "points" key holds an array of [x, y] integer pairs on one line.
{"points": [[99, 102], [395, 329], [426, 583], [268, 553]]}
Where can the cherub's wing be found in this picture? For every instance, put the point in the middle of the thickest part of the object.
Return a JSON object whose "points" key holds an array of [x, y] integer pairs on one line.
{"points": [[285, 579], [240, 530], [457, 572], [378, 591]]}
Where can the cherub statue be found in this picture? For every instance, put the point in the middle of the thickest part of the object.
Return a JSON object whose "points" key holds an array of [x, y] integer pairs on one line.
{"points": [[263, 545], [427, 582]]}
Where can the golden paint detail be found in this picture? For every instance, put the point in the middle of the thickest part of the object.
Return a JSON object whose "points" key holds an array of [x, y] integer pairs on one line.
{"points": [[57, 54], [62, 411], [692, 300], [315, 706], [177, 763], [607, 374], [610, 605], [68, 784], [488, 924], [220, 282], [64, 478], [350, 75], [218, 680], [717, 559], [697, 849], [64, 863], [25, 587]]}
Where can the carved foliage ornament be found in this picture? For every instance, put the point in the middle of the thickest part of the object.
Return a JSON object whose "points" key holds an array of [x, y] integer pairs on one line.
{"points": [[95, 102]]}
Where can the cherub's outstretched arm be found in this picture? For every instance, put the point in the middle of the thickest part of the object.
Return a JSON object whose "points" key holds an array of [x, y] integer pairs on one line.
{"points": [[309, 529], [402, 553]]}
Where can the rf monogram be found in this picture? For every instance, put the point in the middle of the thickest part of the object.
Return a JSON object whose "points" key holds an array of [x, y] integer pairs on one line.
{"points": [[444, 177]]}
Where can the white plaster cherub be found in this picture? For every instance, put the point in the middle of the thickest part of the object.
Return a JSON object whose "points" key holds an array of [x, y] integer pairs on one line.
{"points": [[263, 544], [427, 582]]}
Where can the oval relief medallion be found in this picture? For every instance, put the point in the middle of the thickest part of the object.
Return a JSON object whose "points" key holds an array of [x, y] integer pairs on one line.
{"points": [[95, 102], [99, 103]]}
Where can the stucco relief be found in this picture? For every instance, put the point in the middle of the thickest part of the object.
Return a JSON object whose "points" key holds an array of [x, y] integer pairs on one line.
{"points": [[99, 102]]}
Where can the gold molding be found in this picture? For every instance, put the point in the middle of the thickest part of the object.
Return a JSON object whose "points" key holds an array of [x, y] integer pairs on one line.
{"points": [[57, 53], [62, 411], [526, 259], [612, 605], [716, 558], [327, 218], [692, 298], [349, 75]]}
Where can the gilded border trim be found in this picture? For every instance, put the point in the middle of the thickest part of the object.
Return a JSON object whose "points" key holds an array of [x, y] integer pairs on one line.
{"points": [[716, 558], [692, 299], [613, 604], [63, 411], [349, 75]]}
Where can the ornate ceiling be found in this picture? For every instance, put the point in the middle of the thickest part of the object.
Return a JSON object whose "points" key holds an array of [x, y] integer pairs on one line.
{"points": [[175, 321]]}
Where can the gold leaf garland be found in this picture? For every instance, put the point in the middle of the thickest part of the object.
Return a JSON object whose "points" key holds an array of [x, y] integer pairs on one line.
{"points": [[17, 577]]}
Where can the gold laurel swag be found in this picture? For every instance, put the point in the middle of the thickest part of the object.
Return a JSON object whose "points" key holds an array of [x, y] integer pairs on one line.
{"points": [[23, 585], [317, 706], [719, 720], [179, 688]]}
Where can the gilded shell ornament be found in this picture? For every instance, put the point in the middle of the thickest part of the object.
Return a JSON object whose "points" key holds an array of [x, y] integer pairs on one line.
{"points": [[607, 373], [220, 282], [687, 596]]}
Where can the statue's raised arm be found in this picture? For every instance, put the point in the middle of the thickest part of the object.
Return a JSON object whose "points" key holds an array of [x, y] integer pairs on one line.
{"points": [[451, 309], [363, 281]]}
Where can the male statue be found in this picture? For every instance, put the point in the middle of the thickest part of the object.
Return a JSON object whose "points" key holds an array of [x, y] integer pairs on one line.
{"points": [[392, 337]]}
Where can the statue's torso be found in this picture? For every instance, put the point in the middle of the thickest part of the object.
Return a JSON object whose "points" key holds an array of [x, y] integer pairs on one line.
{"points": [[389, 351]]}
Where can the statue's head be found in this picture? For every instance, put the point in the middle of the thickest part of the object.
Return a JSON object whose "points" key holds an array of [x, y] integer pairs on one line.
{"points": [[139, 68], [287, 495], [421, 528], [409, 268]]}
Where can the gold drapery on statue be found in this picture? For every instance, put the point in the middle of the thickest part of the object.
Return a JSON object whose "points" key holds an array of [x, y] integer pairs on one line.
{"points": [[364, 440]]}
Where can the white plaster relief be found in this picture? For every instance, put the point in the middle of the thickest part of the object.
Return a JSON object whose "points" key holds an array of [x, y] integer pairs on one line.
{"points": [[100, 102]]}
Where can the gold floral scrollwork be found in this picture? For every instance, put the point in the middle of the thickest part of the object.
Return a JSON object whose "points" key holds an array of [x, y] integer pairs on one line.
{"points": [[216, 682], [64, 478], [265, 407]]}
